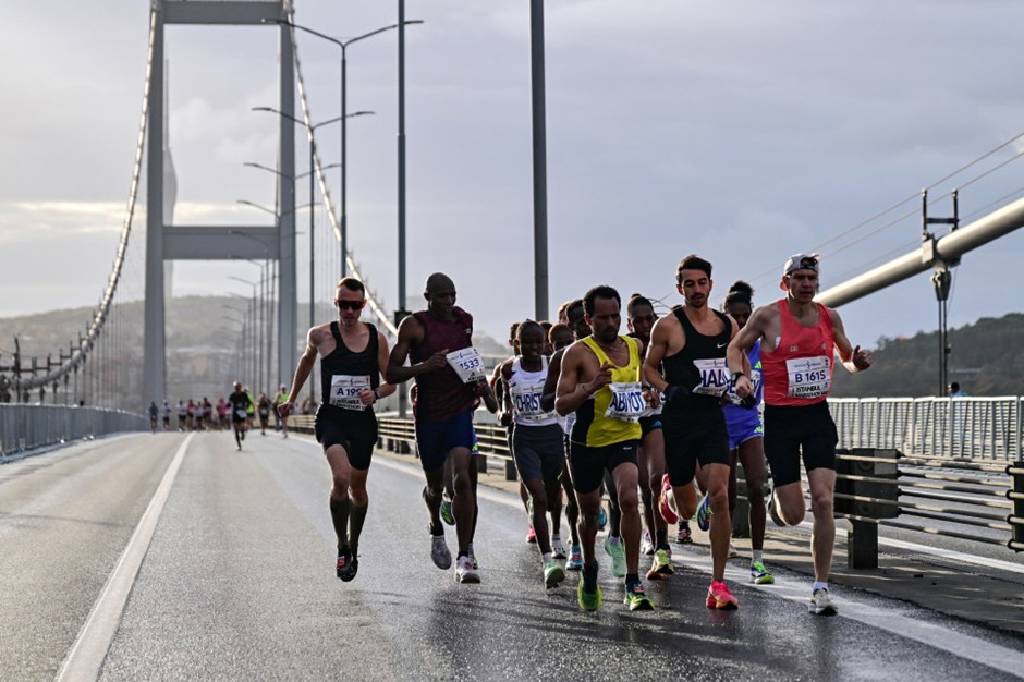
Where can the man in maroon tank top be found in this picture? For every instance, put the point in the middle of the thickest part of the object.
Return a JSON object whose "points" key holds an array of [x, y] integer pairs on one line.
{"points": [[798, 340], [449, 385]]}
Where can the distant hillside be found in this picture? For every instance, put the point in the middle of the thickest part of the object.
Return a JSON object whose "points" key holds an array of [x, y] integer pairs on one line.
{"points": [[986, 360]]}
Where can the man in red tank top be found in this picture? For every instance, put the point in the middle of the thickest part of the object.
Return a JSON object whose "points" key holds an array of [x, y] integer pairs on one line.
{"points": [[799, 339], [447, 396]]}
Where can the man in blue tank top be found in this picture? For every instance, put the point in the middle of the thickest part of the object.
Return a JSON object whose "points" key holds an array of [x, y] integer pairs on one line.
{"points": [[353, 358]]}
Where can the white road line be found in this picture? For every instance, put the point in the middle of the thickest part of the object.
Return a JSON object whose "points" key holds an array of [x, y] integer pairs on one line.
{"points": [[85, 657], [898, 620]]}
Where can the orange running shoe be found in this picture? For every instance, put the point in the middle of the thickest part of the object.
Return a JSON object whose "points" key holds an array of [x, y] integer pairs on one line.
{"points": [[719, 596], [667, 513]]}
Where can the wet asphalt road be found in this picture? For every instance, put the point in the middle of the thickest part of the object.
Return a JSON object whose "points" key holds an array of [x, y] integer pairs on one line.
{"points": [[238, 582]]}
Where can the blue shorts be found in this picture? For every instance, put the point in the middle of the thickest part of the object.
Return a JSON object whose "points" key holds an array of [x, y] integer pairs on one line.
{"points": [[741, 432], [436, 439]]}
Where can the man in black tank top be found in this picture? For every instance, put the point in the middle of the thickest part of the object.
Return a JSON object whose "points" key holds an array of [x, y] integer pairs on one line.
{"points": [[353, 358], [690, 347]]}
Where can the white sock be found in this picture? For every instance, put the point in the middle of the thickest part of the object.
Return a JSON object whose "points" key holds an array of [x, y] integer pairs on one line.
{"points": [[818, 585], [556, 539], [546, 556], [758, 556]]}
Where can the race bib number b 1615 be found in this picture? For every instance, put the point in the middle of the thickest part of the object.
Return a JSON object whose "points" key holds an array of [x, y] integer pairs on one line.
{"points": [[809, 377]]}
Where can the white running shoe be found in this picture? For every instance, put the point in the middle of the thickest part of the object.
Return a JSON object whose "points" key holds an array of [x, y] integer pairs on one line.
{"points": [[439, 552], [557, 548], [646, 546], [821, 603], [464, 572]]}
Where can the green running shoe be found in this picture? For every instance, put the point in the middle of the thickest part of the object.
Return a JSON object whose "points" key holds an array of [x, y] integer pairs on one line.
{"points": [[588, 601], [553, 573], [760, 575], [615, 550], [661, 566], [446, 510], [636, 598]]}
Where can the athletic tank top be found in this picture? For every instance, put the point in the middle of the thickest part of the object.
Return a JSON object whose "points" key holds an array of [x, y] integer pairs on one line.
{"points": [[612, 414], [441, 394], [345, 374], [526, 390], [700, 366], [799, 370]]}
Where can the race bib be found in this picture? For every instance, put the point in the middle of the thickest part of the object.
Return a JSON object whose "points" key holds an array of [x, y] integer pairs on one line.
{"points": [[526, 403], [345, 391], [240, 414], [713, 377], [468, 364], [755, 379], [627, 403], [809, 377]]}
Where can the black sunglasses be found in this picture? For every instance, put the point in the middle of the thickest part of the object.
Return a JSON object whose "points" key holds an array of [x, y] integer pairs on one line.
{"points": [[351, 305]]}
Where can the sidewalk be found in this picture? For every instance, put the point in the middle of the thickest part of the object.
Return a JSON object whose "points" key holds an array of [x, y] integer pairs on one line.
{"points": [[994, 600]]}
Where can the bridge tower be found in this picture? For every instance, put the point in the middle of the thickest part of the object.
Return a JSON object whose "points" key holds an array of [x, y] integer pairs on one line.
{"points": [[165, 242]]}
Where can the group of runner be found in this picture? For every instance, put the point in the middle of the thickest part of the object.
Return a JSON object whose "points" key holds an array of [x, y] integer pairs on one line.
{"points": [[659, 414], [240, 412]]}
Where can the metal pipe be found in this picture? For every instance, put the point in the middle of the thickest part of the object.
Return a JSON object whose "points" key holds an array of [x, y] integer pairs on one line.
{"points": [[540, 177]]}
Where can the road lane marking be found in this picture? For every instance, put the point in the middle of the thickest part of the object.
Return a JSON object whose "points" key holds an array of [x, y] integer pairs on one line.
{"points": [[897, 619], [85, 657]]}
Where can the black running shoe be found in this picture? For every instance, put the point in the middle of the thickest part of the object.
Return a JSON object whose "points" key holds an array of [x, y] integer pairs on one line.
{"points": [[347, 565]]}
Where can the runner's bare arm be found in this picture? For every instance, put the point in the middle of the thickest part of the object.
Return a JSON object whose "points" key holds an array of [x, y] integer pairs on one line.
{"points": [[571, 392], [410, 333], [385, 389], [854, 359], [547, 401], [655, 354], [742, 341]]}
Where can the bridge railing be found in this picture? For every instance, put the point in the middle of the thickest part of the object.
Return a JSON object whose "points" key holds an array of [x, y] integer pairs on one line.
{"points": [[975, 429], [24, 427]]}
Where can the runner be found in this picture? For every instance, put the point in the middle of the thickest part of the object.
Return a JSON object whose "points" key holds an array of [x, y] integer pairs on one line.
{"points": [[211, 416], [651, 456], [798, 338], [746, 439], [200, 413], [600, 381], [282, 419], [250, 410], [263, 410], [239, 401], [191, 415], [689, 346], [353, 358], [223, 413], [182, 414], [153, 410], [561, 336], [165, 415], [506, 420], [536, 441], [450, 379]]}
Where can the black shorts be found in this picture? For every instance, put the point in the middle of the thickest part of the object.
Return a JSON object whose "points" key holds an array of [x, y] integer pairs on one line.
{"points": [[354, 431], [588, 464], [650, 423], [692, 439], [790, 432]]}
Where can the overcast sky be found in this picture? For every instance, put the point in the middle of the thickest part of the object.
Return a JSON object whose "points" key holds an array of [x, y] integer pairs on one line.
{"points": [[742, 131]]}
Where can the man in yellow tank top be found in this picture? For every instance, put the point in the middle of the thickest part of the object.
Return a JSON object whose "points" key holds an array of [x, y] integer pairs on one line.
{"points": [[600, 381]]}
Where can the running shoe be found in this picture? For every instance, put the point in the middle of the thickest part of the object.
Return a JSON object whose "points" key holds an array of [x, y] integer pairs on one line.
{"points": [[615, 550], [759, 575], [646, 546], [589, 601], [719, 596], [575, 560], [553, 573], [464, 571], [446, 509], [439, 552], [472, 557], [773, 511], [347, 565], [636, 598], [661, 566], [704, 514], [684, 536], [821, 603], [557, 548], [531, 536], [664, 502], [602, 518]]}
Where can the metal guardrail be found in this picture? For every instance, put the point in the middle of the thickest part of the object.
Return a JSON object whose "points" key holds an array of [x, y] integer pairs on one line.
{"points": [[972, 429], [24, 427]]}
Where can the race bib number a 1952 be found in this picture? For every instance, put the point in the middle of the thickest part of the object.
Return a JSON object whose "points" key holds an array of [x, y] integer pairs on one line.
{"points": [[468, 364], [809, 377], [345, 391]]}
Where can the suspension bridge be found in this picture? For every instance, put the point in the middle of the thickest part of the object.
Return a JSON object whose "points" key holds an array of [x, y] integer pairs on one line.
{"points": [[129, 554]]}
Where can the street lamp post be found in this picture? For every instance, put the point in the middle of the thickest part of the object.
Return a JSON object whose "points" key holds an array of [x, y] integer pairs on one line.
{"points": [[343, 45], [311, 130]]}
